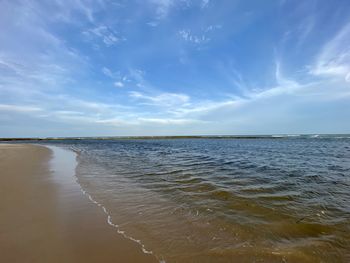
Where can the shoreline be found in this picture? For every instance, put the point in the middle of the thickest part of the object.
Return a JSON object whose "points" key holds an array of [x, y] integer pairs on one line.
{"points": [[73, 180], [167, 137], [46, 217]]}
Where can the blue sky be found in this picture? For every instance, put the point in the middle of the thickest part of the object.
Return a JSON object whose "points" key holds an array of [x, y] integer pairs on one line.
{"points": [[167, 67]]}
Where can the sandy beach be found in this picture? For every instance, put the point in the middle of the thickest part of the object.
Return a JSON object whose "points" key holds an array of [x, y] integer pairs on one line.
{"points": [[45, 220]]}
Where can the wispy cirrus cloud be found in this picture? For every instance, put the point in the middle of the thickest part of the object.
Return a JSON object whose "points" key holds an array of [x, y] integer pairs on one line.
{"points": [[106, 71], [188, 36], [200, 36], [67, 10], [19, 108], [45, 62], [169, 121], [105, 34], [334, 58], [163, 99], [205, 3], [126, 78], [119, 84], [162, 7]]}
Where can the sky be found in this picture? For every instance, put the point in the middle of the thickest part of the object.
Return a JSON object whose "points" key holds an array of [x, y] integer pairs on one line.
{"points": [[174, 67]]}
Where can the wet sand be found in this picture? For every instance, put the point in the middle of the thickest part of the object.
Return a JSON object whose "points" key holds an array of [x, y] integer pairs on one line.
{"points": [[47, 219]]}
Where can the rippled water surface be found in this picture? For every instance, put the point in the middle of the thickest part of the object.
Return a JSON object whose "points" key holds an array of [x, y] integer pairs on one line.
{"points": [[225, 200]]}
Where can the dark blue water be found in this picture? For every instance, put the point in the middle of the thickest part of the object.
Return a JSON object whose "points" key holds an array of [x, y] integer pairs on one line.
{"points": [[226, 200]]}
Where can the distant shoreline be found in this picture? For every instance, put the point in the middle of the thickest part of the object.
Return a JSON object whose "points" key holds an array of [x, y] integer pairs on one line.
{"points": [[274, 136]]}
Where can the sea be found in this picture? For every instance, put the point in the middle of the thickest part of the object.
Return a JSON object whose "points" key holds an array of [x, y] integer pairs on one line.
{"points": [[222, 199]]}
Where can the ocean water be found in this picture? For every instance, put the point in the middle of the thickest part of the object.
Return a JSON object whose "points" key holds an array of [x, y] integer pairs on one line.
{"points": [[224, 200]]}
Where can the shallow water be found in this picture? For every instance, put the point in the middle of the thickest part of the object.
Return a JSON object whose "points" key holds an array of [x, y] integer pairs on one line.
{"points": [[225, 200]]}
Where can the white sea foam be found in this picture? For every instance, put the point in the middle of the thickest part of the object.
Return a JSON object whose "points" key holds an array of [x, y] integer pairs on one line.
{"points": [[109, 217]]}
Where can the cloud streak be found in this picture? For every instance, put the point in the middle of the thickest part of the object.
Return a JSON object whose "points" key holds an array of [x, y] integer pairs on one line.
{"points": [[107, 35], [19, 108], [334, 59], [163, 99]]}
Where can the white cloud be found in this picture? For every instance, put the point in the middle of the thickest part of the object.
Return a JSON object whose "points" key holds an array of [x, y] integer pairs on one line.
{"points": [[200, 36], [305, 29], [180, 105], [19, 108], [347, 77], [334, 58], [164, 99], [134, 76], [287, 89], [106, 34], [147, 121], [205, 3], [111, 74], [67, 8], [107, 72], [162, 7], [213, 27], [203, 108], [188, 36], [116, 122], [152, 24], [46, 61], [168, 121], [119, 84], [281, 80]]}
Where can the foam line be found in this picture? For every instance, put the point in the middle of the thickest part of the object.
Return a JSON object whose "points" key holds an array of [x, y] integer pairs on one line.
{"points": [[109, 217], [110, 222]]}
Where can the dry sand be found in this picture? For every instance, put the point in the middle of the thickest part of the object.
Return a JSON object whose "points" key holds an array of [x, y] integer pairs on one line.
{"points": [[38, 224]]}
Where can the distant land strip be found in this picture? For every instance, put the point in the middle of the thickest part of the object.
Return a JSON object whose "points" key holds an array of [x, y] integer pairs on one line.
{"points": [[175, 137]]}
